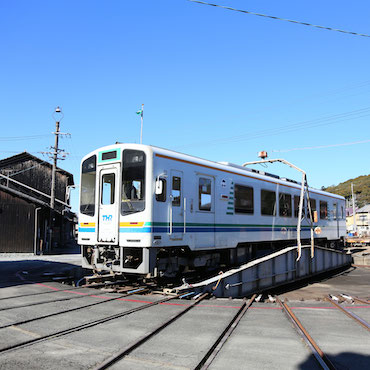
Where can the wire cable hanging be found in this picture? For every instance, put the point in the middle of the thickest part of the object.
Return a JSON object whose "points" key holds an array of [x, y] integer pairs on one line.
{"points": [[281, 19]]}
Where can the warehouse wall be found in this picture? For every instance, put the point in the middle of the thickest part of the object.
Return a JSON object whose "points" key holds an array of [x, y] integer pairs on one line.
{"points": [[16, 224]]}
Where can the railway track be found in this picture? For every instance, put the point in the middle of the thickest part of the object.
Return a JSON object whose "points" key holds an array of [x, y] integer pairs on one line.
{"points": [[125, 351], [322, 359], [41, 293], [76, 296], [135, 291], [92, 282], [49, 301], [86, 325], [350, 314], [319, 355], [206, 361], [216, 345]]}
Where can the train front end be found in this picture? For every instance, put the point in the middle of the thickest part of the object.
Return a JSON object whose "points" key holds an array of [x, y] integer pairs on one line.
{"points": [[115, 204]]}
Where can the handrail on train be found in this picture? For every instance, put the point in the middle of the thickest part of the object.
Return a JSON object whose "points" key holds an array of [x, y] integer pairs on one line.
{"points": [[304, 191]]}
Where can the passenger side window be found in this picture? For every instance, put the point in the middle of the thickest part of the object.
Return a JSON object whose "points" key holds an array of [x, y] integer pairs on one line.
{"points": [[313, 207], [243, 199], [323, 210], [268, 203], [285, 205], [176, 191], [335, 211], [297, 198], [205, 195]]}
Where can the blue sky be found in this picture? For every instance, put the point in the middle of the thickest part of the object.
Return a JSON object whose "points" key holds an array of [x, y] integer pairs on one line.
{"points": [[216, 84]]}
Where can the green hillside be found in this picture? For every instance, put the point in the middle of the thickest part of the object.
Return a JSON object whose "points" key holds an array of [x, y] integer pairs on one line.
{"points": [[361, 187]]}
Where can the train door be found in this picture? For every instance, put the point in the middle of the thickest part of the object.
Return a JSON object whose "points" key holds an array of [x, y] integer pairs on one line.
{"points": [[205, 211], [109, 205], [177, 203]]}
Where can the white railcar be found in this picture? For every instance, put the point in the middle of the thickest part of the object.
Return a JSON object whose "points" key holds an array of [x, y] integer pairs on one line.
{"points": [[151, 211]]}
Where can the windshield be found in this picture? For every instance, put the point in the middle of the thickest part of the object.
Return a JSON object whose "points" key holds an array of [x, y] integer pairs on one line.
{"points": [[88, 183], [133, 182]]}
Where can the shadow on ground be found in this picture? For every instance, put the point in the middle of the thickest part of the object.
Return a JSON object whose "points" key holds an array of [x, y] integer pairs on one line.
{"points": [[341, 361], [21, 272]]}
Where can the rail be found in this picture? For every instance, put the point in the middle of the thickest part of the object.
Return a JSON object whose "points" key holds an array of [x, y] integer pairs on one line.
{"points": [[124, 352], [135, 291], [350, 314], [221, 340], [84, 326], [319, 355]]}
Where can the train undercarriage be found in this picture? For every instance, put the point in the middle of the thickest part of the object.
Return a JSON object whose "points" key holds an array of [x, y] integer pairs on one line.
{"points": [[174, 262]]}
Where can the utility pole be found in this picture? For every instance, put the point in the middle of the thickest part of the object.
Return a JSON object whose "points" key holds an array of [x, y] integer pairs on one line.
{"points": [[354, 209], [55, 159], [58, 116]]}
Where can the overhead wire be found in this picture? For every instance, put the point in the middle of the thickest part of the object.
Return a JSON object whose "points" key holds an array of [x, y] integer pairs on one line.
{"points": [[281, 19], [17, 151], [18, 138], [328, 120], [321, 146]]}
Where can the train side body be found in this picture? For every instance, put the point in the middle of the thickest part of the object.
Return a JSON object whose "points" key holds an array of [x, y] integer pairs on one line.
{"points": [[157, 211]]}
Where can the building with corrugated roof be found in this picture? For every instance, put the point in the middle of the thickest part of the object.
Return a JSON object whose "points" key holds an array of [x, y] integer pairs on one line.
{"points": [[27, 223]]}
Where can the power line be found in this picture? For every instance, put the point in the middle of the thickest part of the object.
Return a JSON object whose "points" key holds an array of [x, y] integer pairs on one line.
{"points": [[18, 138], [321, 146], [328, 120], [17, 151], [281, 19]]}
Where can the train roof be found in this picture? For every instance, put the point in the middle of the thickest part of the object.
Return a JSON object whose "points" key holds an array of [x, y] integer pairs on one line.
{"points": [[223, 166]]}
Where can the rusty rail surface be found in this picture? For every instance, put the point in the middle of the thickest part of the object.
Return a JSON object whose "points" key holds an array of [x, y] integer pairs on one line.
{"points": [[349, 313], [319, 355], [221, 340], [364, 301]]}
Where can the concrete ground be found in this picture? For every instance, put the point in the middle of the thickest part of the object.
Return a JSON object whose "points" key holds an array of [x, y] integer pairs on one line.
{"points": [[345, 342], [353, 281], [264, 338], [361, 255]]}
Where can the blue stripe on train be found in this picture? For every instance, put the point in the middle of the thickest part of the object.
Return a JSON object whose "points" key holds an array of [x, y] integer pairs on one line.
{"points": [[165, 229], [86, 229], [135, 230]]}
